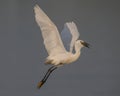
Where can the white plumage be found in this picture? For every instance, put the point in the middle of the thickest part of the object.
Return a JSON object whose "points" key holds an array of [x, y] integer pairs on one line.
{"points": [[57, 54]]}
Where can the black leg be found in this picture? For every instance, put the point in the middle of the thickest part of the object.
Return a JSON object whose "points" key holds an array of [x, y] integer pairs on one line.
{"points": [[50, 70]]}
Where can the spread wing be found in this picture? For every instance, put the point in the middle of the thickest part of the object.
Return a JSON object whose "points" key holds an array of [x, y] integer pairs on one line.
{"points": [[50, 34], [70, 30]]}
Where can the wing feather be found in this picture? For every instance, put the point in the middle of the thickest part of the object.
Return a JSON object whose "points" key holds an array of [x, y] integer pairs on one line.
{"points": [[73, 31], [50, 34]]}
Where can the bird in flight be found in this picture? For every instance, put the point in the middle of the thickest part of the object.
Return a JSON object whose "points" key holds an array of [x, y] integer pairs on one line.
{"points": [[57, 53]]}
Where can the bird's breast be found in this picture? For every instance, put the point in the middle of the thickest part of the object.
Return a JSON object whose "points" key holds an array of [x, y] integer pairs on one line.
{"points": [[64, 58]]}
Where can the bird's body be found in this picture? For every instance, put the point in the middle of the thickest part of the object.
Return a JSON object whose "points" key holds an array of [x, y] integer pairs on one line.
{"points": [[57, 54], [63, 58]]}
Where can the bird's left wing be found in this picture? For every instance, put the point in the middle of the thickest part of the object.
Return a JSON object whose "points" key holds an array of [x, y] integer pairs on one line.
{"points": [[71, 28], [50, 34]]}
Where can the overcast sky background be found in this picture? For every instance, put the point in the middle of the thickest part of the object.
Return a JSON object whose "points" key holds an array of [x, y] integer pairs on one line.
{"points": [[22, 53]]}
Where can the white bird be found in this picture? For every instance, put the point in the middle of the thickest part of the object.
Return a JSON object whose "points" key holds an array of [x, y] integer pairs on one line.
{"points": [[57, 54]]}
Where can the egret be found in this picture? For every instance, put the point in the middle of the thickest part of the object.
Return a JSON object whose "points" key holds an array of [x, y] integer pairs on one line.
{"points": [[57, 53]]}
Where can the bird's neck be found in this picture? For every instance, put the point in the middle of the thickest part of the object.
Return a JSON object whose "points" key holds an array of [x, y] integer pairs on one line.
{"points": [[76, 55], [77, 52]]}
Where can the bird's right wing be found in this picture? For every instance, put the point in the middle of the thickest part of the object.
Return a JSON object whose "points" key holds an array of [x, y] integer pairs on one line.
{"points": [[50, 34]]}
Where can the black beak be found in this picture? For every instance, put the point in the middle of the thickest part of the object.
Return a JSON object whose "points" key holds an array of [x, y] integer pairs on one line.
{"points": [[85, 44]]}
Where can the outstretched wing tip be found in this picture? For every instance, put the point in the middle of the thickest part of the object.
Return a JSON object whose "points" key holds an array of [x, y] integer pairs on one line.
{"points": [[50, 34], [36, 6]]}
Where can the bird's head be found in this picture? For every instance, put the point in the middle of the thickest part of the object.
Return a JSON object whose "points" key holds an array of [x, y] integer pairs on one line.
{"points": [[81, 43], [84, 44]]}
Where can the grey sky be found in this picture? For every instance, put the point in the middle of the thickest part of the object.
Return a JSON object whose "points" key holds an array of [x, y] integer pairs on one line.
{"points": [[22, 53]]}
